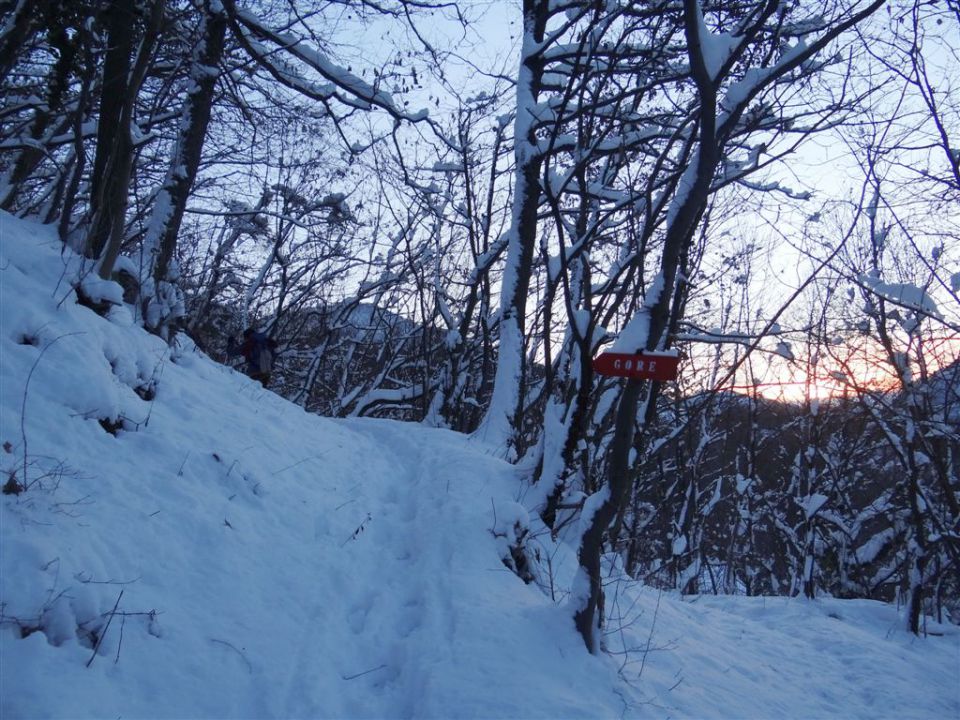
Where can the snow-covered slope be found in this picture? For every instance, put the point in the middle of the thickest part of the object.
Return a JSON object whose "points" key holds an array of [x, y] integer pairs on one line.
{"points": [[230, 556]]}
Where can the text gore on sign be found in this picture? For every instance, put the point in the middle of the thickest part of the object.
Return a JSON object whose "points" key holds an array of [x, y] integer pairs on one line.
{"points": [[649, 366]]}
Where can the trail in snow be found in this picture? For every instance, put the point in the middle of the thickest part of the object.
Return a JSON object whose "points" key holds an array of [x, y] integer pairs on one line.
{"points": [[397, 634], [402, 625]]}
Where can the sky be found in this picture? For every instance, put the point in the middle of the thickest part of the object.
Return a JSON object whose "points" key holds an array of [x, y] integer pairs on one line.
{"points": [[824, 165], [191, 545]]}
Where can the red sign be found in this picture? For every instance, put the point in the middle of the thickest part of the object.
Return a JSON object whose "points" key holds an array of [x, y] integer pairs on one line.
{"points": [[649, 366]]}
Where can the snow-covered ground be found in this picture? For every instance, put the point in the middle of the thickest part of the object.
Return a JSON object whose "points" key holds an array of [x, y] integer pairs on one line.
{"points": [[233, 557]]}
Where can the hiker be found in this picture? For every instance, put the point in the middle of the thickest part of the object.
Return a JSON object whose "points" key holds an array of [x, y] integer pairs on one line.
{"points": [[258, 350]]}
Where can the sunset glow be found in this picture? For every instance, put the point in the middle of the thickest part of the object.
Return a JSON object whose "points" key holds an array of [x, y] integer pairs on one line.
{"points": [[847, 371]]}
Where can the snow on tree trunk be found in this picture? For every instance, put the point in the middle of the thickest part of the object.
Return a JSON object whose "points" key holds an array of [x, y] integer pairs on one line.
{"points": [[162, 300], [499, 425]]}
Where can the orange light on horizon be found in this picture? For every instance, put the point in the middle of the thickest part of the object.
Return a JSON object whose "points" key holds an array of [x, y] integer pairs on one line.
{"points": [[861, 368]]}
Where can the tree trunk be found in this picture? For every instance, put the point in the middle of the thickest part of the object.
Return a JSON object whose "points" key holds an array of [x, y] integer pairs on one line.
{"points": [[72, 189], [168, 208], [681, 225], [114, 159], [501, 422], [172, 200]]}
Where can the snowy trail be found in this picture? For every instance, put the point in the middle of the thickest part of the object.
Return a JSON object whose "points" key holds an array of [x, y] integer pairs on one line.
{"points": [[392, 620], [400, 630]]}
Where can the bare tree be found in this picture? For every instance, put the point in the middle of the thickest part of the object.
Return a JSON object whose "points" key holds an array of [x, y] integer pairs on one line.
{"points": [[753, 64]]}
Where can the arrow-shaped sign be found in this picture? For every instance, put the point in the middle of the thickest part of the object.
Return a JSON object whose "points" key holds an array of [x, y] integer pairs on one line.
{"points": [[649, 366]]}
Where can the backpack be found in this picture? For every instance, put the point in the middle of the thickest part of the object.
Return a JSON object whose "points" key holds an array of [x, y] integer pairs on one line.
{"points": [[258, 351], [263, 357]]}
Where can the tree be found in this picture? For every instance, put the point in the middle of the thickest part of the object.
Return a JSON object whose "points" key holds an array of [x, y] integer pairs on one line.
{"points": [[125, 66], [159, 294], [753, 64]]}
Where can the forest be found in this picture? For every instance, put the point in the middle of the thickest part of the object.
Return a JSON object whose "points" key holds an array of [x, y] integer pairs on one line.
{"points": [[442, 212]]}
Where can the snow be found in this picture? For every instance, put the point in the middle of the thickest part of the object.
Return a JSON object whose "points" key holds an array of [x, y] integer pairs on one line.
{"points": [[741, 91], [904, 294], [635, 335], [715, 48], [99, 290], [784, 350], [812, 504], [267, 563]]}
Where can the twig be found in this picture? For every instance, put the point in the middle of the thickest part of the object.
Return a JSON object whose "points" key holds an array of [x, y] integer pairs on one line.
{"points": [[90, 581], [123, 621], [653, 626], [299, 462], [23, 404], [365, 672], [356, 533], [234, 648], [626, 705], [107, 627], [85, 500], [155, 379]]}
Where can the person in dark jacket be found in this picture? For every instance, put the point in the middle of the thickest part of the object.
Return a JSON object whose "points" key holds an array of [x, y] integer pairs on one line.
{"points": [[258, 350]]}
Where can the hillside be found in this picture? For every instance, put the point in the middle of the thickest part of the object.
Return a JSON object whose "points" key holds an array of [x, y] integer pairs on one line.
{"points": [[188, 544]]}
